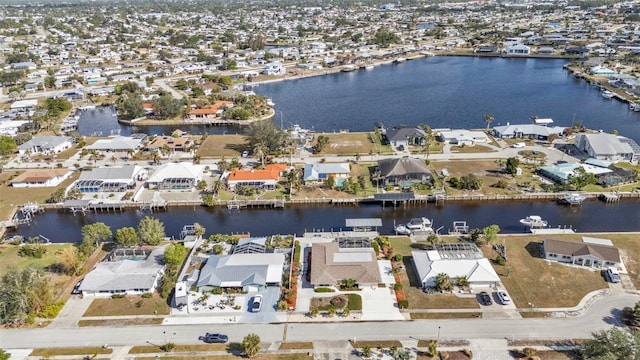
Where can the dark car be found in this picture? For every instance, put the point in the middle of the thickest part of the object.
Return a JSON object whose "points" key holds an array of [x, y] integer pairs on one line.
{"points": [[76, 289], [485, 298], [214, 338]]}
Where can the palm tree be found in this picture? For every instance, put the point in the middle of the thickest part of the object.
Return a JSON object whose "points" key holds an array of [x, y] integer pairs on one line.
{"points": [[217, 186], [260, 150], [488, 119], [443, 282], [293, 179]]}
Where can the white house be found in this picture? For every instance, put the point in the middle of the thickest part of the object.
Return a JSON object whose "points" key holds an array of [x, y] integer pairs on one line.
{"points": [[517, 50], [40, 178], [456, 261], [47, 144], [274, 68], [249, 272], [11, 127], [591, 252], [175, 176], [603, 146], [462, 137]]}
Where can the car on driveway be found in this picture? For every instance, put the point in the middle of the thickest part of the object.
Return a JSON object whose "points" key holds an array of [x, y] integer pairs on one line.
{"points": [[613, 275], [504, 297], [256, 306], [245, 154], [214, 338], [485, 298]]}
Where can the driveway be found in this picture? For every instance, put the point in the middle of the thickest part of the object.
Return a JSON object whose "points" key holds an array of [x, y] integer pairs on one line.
{"points": [[268, 313], [379, 304]]}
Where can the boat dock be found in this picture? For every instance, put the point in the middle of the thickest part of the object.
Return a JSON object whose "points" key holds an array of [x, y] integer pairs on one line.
{"points": [[238, 204], [609, 197]]}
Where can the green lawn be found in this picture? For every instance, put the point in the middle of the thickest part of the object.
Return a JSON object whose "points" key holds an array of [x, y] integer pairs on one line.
{"points": [[9, 257], [127, 306], [47, 352]]}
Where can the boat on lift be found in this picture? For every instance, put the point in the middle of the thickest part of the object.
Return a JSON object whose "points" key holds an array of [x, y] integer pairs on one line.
{"points": [[421, 224], [534, 221], [572, 199]]}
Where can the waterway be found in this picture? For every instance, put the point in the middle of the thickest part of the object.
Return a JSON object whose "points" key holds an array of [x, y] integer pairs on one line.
{"points": [[443, 92], [592, 216]]}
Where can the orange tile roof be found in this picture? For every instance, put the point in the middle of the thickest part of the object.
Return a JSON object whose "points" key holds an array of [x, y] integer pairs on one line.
{"points": [[211, 109], [271, 172], [147, 106]]}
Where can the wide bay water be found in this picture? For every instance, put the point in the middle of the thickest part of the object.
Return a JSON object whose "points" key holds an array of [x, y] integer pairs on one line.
{"points": [[443, 92], [592, 216]]}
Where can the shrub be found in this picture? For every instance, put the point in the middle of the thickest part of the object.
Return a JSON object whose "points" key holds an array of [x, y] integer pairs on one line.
{"points": [[118, 296], [217, 291], [52, 311], [147, 295], [398, 257], [500, 260], [338, 302], [35, 251], [403, 304], [375, 247], [529, 352], [139, 303], [397, 287], [324, 290], [355, 302], [296, 254], [282, 305], [168, 347]]}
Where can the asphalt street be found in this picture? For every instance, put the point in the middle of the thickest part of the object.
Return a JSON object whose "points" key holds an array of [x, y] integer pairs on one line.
{"points": [[603, 314]]}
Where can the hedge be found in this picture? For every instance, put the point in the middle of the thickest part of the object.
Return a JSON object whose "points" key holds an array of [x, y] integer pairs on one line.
{"points": [[403, 304], [355, 302], [324, 290]]}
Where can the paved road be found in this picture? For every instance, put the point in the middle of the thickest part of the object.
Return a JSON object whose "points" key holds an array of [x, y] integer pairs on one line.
{"points": [[603, 314]]}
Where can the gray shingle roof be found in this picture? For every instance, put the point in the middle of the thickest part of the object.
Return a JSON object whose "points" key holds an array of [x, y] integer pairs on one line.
{"points": [[404, 133], [330, 264], [605, 252], [402, 166]]}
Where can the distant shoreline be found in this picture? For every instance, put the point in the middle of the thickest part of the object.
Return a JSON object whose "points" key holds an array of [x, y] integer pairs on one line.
{"points": [[183, 122]]}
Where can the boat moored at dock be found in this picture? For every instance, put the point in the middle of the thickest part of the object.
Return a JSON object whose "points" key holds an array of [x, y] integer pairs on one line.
{"points": [[534, 221], [572, 199]]}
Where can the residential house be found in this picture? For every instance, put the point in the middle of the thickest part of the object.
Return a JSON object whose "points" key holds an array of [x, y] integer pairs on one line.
{"points": [[40, 178], [532, 131], [46, 144], [118, 143], [11, 127], [176, 176], [265, 179], [456, 261], [403, 171], [126, 271], [320, 172], [609, 147], [461, 137], [601, 70], [405, 136], [110, 179], [517, 50], [24, 105], [591, 252], [171, 143], [561, 173], [349, 258], [274, 68], [209, 112], [246, 272]]}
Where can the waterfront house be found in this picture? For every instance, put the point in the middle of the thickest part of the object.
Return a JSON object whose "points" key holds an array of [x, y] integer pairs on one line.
{"points": [[11, 127], [251, 246], [209, 112], [461, 137], [609, 147], [601, 70], [531, 131], [319, 172], [348, 258], [40, 178], [576, 51], [246, 272], [517, 50], [455, 260], [175, 176], [46, 144], [24, 105], [591, 252], [171, 143], [274, 68], [403, 171], [126, 271], [486, 48], [405, 136], [110, 179], [264, 179], [118, 143]]}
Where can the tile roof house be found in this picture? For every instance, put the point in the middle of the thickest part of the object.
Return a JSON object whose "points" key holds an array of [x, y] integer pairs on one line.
{"points": [[266, 178], [41, 178], [609, 147], [126, 273], [320, 172], [405, 136], [591, 252], [173, 143], [250, 272], [209, 112], [403, 170], [331, 264], [468, 262]]}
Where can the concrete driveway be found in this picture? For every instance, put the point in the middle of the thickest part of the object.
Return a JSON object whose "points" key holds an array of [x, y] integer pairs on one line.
{"points": [[268, 313]]}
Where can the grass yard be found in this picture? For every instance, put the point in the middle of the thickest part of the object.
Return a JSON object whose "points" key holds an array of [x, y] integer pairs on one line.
{"points": [[295, 345], [222, 145], [127, 306], [11, 197], [461, 315], [121, 322], [47, 352], [471, 149], [9, 257], [146, 349], [348, 144], [374, 344], [299, 356], [530, 279]]}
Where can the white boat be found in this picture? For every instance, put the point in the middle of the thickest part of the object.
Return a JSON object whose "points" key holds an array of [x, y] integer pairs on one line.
{"points": [[368, 67], [349, 68], [607, 94], [634, 107], [270, 103], [399, 60], [572, 199], [87, 107], [421, 224], [533, 221]]}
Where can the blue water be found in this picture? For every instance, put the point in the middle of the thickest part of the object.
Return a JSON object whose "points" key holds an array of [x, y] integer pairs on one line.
{"points": [[443, 92]]}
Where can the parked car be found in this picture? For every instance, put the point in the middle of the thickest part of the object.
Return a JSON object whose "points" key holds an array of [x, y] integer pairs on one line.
{"points": [[256, 306], [76, 288], [214, 338], [518, 145], [504, 297], [485, 298], [245, 154], [613, 275]]}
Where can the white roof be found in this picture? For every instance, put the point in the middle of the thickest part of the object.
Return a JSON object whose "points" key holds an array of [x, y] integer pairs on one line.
{"points": [[116, 143], [429, 265], [242, 269], [543, 121], [177, 170], [597, 241], [21, 104], [464, 135]]}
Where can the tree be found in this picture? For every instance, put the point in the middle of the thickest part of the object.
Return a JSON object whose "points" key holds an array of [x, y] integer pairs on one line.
{"points": [[490, 233], [267, 135], [130, 106], [384, 37], [251, 345], [199, 230], [126, 237], [8, 145], [330, 182], [488, 118], [151, 230], [512, 165], [92, 235], [613, 344], [174, 255], [166, 107], [24, 292], [580, 178], [321, 143], [443, 282], [4, 355], [71, 260], [631, 316]]}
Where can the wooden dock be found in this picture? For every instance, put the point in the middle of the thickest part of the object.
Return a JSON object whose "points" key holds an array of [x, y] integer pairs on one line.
{"points": [[238, 204]]}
